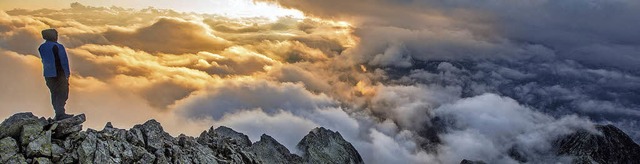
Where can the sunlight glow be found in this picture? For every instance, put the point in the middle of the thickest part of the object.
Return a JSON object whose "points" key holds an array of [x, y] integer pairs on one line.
{"points": [[228, 8]]}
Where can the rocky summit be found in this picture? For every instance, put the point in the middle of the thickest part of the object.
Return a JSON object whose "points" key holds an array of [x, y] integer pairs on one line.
{"points": [[26, 138], [611, 145], [607, 145]]}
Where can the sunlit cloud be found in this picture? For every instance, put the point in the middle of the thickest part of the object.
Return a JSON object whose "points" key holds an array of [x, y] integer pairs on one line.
{"points": [[405, 82]]}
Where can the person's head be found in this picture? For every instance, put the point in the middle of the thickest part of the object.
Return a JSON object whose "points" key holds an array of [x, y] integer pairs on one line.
{"points": [[50, 35]]}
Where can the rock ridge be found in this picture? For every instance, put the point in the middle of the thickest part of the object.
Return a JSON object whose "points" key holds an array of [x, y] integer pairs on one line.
{"points": [[25, 138]]}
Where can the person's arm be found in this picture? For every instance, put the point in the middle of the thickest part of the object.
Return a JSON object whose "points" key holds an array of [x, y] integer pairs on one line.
{"points": [[55, 51]]}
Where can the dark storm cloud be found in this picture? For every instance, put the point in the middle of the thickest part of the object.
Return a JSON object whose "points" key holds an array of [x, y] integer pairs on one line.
{"points": [[562, 57], [554, 87], [600, 33]]}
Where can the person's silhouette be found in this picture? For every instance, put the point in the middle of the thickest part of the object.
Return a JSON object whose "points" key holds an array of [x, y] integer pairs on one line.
{"points": [[56, 71]]}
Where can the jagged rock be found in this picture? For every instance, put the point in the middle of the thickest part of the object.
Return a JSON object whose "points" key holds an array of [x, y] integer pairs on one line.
{"points": [[29, 133], [87, 148], [465, 161], [12, 126], [57, 152], [154, 136], [227, 144], [325, 146], [198, 153], [42, 160], [8, 148], [134, 136], [156, 139], [68, 126], [102, 154], [69, 159], [239, 138], [17, 159], [65, 132], [108, 126], [268, 150], [43, 141], [146, 158], [41, 146], [612, 146]]}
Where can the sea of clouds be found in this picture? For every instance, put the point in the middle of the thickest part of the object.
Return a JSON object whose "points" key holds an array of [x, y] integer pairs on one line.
{"points": [[406, 82]]}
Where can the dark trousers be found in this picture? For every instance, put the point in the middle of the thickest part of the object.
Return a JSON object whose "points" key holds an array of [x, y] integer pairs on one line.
{"points": [[59, 88]]}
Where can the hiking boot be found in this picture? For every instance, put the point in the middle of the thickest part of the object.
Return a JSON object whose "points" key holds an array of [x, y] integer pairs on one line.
{"points": [[63, 116]]}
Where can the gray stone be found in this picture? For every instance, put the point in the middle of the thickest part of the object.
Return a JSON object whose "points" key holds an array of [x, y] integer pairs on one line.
{"points": [[61, 133], [73, 121], [87, 148], [160, 158], [29, 133], [146, 159], [268, 150], [70, 158], [239, 138], [64, 142], [325, 146], [12, 126], [42, 160], [102, 154], [69, 126], [17, 159], [198, 153], [122, 150], [8, 148], [155, 137], [225, 148], [41, 146], [135, 137], [57, 152]]}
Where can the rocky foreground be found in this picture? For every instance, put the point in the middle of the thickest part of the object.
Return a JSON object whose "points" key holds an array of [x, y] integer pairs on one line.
{"points": [[26, 138]]}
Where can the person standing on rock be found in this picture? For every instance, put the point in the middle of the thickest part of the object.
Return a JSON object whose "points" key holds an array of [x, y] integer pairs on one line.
{"points": [[56, 71]]}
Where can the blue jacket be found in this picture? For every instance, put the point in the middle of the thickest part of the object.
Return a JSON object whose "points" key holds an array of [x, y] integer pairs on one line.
{"points": [[48, 60]]}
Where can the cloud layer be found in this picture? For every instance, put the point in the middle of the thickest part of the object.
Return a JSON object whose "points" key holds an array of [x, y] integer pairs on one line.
{"points": [[405, 82]]}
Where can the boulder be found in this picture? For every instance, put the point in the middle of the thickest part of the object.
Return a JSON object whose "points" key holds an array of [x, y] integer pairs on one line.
{"points": [[12, 126], [154, 136], [68, 126], [42, 160], [87, 148], [8, 148], [41, 146], [30, 132], [17, 159]]}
